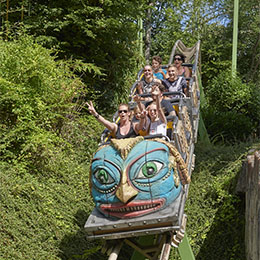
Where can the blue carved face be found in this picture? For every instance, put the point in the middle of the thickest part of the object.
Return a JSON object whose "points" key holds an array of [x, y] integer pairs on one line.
{"points": [[144, 182]]}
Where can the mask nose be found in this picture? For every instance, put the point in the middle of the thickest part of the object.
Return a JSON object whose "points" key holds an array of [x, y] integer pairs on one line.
{"points": [[125, 191]]}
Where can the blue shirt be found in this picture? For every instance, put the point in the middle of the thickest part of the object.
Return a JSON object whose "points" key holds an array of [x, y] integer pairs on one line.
{"points": [[159, 75]]}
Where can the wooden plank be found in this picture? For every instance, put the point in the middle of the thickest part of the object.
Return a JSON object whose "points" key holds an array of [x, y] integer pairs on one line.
{"points": [[252, 214]]}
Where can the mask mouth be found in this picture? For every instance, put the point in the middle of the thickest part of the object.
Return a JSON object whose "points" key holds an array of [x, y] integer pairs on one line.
{"points": [[132, 209]]}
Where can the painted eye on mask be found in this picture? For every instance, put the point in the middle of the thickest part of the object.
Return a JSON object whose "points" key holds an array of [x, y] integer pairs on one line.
{"points": [[149, 170], [103, 177]]}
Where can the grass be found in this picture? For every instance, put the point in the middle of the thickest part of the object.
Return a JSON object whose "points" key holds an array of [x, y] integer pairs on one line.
{"points": [[42, 217], [215, 210]]}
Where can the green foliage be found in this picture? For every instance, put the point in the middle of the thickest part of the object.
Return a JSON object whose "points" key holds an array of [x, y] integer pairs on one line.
{"points": [[248, 58], [101, 33], [228, 93], [216, 49], [167, 28], [35, 96], [45, 198], [232, 112], [215, 225]]}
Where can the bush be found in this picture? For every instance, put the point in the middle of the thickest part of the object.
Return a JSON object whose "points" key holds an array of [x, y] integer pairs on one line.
{"points": [[215, 211], [45, 148], [35, 101], [232, 112]]}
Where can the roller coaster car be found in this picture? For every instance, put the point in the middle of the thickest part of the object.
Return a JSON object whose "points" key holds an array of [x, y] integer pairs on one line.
{"points": [[140, 185]]}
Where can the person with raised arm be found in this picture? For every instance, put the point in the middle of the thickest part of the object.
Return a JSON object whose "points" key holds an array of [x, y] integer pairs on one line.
{"points": [[158, 124], [140, 116], [166, 105], [124, 129]]}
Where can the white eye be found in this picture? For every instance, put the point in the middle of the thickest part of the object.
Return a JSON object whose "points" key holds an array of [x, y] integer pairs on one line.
{"points": [[149, 169]]}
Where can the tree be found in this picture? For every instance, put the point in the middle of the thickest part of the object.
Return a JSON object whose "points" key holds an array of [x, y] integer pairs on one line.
{"points": [[102, 34]]}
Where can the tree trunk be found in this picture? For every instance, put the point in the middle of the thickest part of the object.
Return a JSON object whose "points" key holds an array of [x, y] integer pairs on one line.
{"points": [[148, 33]]}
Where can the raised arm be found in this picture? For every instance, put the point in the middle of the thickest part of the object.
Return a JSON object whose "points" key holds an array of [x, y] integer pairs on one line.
{"points": [[141, 124], [138, 99], [139, 88], [109, 125], [161, 115]]}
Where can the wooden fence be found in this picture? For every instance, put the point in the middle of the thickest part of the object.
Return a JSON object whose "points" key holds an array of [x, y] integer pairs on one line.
{"points": [[252, 211]]}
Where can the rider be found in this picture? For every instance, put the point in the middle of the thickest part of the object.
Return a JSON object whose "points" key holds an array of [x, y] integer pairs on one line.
{"points": [[179, 59], [158, 72], [145, 85], [175, 83], [125, 128], [165, 104]]}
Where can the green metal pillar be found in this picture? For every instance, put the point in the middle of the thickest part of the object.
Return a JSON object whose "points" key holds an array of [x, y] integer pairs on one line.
{"points": [[235, 37], [185, 249]]}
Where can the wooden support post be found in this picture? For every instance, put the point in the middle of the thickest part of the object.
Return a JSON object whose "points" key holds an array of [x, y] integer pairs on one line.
{"points": [[252, 216], [144, 241]]}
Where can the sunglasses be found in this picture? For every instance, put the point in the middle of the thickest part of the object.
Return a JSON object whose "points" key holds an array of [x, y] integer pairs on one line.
{"points": [[178, 59], [121, 111]]}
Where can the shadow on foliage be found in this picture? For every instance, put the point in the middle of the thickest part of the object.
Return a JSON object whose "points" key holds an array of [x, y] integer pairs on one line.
{"points": [[76, 246], [225, 239]]}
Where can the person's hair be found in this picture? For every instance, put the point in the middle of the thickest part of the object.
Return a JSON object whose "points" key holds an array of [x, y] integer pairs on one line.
{"points": [[148, 65], [153, 103], [181, 55], [124, 104], [157, 58], [171, 65]]}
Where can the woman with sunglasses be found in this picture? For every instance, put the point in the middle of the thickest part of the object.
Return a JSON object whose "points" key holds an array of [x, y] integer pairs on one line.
{"points": [[179, 59], [125, 128]]}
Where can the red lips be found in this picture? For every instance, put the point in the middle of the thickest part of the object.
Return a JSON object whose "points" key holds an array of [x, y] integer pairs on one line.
{"points": [[132, 209]]}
